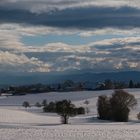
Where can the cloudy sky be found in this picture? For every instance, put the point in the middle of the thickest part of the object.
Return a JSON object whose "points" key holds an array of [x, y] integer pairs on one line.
{"points": [[64, 35]]}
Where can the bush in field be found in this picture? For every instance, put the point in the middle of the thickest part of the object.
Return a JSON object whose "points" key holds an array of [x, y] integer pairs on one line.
{"points": [[26, 104], [80, 110], [86, 102], [51, 107], [117, 107], [138, 116], [65, 109], [44, 102], [38, 104]]}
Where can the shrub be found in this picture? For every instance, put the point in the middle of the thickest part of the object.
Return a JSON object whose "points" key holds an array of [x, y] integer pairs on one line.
{"points": [[26, 104], [51, 107], [86, 102], [38, 104], [80, 110], [138, 116], [44, 102]]}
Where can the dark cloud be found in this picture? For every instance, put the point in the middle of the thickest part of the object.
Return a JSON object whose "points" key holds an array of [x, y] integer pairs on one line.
{"points": [[90, 17]]}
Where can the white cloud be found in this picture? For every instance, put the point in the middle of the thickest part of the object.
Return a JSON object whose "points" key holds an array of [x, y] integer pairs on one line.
{"points": [[24, 30], [17, 30], [111, 31], [21, 63], [118, 41], [133, 64]]}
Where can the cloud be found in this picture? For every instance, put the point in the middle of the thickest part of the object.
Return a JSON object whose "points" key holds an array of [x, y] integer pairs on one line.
{"points": [[11, 62], [111, 31], [106, 55], [79, 18], [100, 56], [91, 18]]}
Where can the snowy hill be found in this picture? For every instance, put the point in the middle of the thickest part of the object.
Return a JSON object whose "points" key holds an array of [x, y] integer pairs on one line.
{"points": [[77, 98], [32, 124]]}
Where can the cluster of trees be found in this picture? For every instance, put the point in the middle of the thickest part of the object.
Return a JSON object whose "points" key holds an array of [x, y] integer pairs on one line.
{"points": [[26, 104], [69, 85], [109, 84], [116, 107], [63, 108], [133, 84]]}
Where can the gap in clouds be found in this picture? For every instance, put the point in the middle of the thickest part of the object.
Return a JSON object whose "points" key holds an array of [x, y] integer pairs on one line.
{"points": [[73, 39]]}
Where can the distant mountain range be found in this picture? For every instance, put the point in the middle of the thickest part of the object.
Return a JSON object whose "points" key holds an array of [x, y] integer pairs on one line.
{"points": [[47, 78]]}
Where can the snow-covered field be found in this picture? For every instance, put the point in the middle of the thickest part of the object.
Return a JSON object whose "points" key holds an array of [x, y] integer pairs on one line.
{"points": [[71, 132], [18, 123]]}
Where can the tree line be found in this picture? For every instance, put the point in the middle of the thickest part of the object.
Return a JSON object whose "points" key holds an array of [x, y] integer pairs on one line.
{"points": [[67, 86], [109, 84]]}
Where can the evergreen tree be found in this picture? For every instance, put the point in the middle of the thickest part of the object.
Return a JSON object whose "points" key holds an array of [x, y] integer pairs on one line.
{"points": [[131, 84]]}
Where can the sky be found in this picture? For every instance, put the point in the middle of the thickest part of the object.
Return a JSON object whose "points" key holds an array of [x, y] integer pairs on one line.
{"points": [[64, 35]]}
